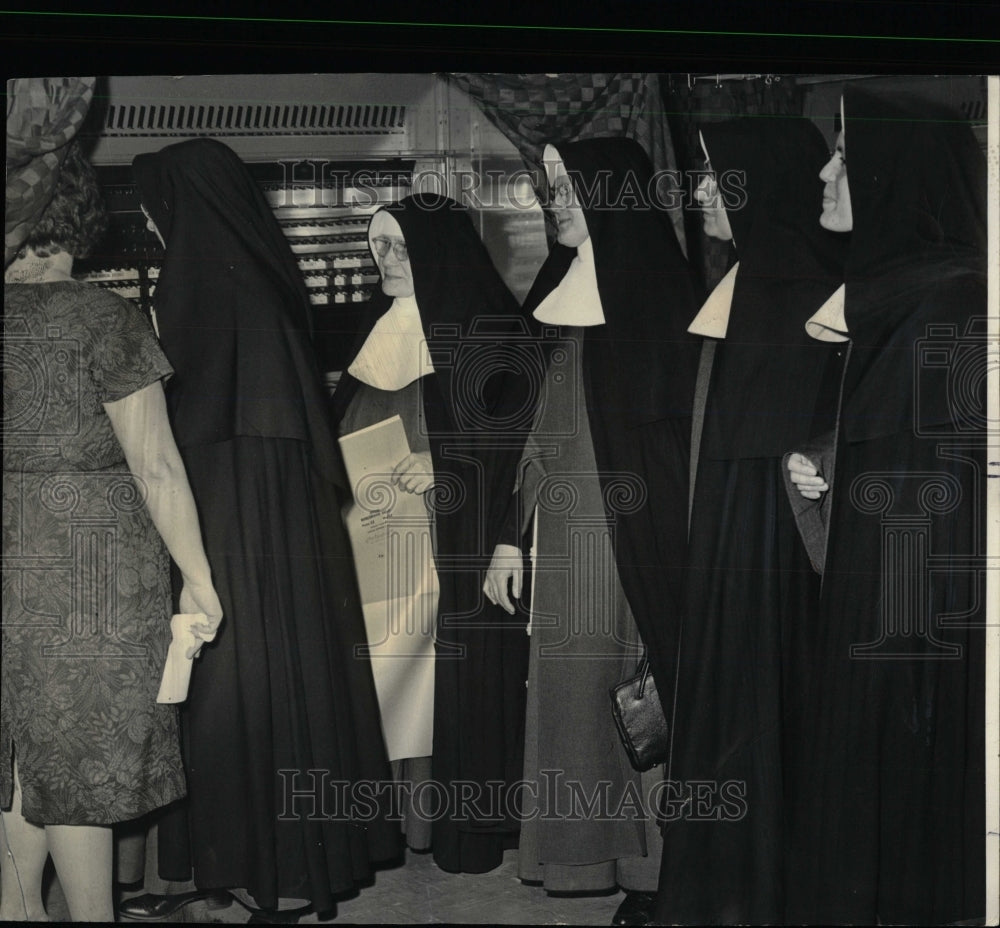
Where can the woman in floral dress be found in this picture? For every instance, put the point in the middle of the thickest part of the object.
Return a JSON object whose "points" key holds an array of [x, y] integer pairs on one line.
{"points": [[94, 497]]}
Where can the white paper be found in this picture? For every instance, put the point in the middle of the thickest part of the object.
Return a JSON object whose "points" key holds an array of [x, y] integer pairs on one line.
{"points": [[391, 541], [177, 670]]}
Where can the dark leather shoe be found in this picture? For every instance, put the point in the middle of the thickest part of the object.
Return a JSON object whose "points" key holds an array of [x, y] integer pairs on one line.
{"points": [[636, 909], [150, 906]]}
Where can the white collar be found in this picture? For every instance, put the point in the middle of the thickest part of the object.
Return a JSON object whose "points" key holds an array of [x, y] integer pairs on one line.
{"points": [[576, 300], [712, 320], [395, 352], [828, 323]]}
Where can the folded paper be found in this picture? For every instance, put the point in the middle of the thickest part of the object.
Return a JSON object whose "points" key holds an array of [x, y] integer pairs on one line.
{"points": [[392, 542], [177, 670]]}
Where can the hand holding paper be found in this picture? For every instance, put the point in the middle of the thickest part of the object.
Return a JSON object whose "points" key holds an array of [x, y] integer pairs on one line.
{"points": [[392, 544], [201, 598], [184, 646], [415, 473]]}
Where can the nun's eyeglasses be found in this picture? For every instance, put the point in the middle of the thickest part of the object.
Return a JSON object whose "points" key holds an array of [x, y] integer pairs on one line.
{"points": [[381, 246]]}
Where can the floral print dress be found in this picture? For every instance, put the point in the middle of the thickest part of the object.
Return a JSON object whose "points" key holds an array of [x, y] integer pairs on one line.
{"points": [[86, 585]]}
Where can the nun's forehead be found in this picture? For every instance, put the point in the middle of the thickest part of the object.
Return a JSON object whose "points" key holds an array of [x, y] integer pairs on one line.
{"points": [[384, 223]]}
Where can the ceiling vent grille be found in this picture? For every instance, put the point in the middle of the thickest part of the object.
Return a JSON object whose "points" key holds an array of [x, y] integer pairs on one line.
{"points": [[256, 120]]}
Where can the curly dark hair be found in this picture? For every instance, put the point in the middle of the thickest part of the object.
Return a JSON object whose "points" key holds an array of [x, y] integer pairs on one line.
{"points": [[75, 220]]}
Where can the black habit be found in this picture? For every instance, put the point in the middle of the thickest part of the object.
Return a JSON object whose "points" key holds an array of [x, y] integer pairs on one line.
{"points": [[279, 693], [889, 813], [477, 406], [751, 589]]}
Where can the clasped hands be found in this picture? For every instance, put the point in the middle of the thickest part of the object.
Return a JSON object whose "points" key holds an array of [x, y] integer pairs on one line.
{"points": [[806, 476]]}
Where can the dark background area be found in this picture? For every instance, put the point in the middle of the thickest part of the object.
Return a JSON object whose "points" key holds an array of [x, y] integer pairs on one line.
{"points": [[816, 35]]}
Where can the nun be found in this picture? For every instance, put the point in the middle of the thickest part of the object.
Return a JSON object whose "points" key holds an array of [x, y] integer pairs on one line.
{"points": [[439, 348], [889, 812], [281, 692], [752, 593], [604, 475]]}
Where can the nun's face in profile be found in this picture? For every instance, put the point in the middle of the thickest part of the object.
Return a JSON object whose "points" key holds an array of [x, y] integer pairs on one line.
{"points": [[837, 215], [714, 217], [715, 220], [389, 249], [571, 224]]}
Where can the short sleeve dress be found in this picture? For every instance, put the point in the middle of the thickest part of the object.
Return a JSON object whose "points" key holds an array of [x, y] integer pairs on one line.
{"points": [[86, 585]]}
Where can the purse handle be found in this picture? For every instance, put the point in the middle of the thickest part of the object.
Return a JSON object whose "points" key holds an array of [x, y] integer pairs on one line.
{"points": [[642, 668]]}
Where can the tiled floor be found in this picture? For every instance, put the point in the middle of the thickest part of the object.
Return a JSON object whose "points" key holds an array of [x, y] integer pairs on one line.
{"points": [[419, 893]]}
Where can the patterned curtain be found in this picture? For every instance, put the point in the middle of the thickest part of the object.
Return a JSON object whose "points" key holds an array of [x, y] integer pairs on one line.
{"points": [[690, 100], [534, 109], [43, 116]]}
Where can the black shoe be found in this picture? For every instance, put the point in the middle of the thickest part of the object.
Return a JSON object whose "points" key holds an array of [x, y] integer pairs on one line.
{"points": [[636, 909], [150, 906]]}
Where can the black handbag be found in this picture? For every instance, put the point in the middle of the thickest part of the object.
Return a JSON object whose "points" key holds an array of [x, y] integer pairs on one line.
{"points": [[640, 720]]}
